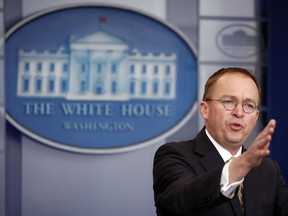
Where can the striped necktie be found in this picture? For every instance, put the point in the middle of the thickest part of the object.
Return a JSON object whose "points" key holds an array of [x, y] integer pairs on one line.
{"points": [[240, 194]]}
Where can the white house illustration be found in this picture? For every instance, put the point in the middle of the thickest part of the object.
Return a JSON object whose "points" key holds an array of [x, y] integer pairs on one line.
{"points": [[98, 66]]}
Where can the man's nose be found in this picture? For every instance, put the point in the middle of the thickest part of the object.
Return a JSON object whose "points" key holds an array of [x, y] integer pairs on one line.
{"points": [[238, 111]]}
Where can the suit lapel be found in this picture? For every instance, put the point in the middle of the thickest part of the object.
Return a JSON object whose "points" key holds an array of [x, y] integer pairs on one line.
{"points": [[211, 159]]}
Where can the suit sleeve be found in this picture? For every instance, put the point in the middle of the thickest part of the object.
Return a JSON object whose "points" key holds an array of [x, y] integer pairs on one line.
{"points": [[282, 194]]}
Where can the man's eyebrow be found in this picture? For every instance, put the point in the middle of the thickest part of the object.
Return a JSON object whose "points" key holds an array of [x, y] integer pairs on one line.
{"points": [[226, 96], [249, 100]]}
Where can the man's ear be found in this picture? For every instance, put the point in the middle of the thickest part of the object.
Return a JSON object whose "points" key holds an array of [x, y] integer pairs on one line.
{"points": [[257, 115], [204, 109]]}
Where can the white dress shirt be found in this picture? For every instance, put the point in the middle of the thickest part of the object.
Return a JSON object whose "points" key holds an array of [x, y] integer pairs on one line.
{"points": [[227, 189]]}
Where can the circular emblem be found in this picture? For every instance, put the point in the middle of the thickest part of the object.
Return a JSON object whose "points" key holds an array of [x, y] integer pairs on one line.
{"points": [[239, 41], [98, 79]]}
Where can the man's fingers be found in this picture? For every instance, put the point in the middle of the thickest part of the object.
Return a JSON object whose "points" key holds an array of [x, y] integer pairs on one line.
{"points": [[271, 125], [268, 131], [260, 146], [262, 141]]}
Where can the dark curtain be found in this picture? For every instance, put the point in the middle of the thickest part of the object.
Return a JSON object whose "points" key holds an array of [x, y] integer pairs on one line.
{"points": [[277, 86]]}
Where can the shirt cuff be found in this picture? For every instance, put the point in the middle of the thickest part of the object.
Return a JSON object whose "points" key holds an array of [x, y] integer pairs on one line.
{"points": [[228, 190]]}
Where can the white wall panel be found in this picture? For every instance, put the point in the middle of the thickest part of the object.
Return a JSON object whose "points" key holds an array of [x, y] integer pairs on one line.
{"points": [[209, 49], [61, 183], [227, 8], [156, 8]]}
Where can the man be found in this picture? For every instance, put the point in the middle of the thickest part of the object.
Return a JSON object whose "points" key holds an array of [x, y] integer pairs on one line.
{"points": [[203, 176]]}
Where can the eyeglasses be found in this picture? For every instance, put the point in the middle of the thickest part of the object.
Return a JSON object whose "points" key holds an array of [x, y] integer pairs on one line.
{"points": [[248, 107]]}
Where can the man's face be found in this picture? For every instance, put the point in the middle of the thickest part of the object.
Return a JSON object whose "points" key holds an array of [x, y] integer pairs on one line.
{"points": [[230, 128]]}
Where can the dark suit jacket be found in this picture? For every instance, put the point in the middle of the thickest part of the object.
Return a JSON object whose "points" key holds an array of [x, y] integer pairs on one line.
{"points": [[187, 182]]}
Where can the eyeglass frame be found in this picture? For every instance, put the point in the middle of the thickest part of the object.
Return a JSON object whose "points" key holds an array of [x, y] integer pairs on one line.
{"points": [[223, 102]]}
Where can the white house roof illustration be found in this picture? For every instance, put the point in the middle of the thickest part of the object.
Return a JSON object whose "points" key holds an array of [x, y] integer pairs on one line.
{"points": [[99, 39], [97, 66]]}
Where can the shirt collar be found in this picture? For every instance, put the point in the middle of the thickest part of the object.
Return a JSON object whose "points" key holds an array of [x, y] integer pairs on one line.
{"points": [[226, 155]]}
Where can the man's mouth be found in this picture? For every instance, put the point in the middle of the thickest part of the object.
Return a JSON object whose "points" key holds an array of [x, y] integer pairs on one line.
{"points": [[236, 126]]}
